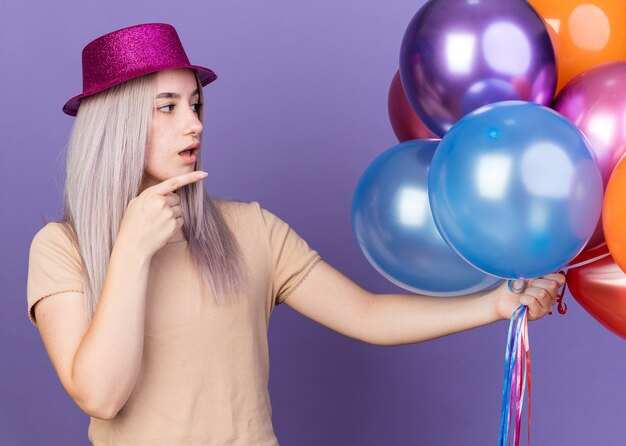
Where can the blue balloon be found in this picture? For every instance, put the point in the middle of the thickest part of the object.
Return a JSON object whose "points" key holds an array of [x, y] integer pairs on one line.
{"points": [[395, 230], [515, 189]]}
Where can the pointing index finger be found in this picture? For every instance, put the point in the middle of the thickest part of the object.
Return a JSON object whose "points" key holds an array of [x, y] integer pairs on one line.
{"points": [[174, 183]]}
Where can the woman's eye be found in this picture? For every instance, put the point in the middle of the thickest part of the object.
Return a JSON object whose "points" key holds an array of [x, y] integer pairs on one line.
{"points": [[166, 108], [196, 107]]}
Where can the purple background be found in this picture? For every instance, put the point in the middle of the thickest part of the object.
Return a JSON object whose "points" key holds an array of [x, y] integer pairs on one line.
{"points": [[298, 113]]}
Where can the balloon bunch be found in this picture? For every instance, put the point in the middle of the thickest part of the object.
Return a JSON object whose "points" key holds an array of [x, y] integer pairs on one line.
{"points": [[590, 40], [514, 189]]}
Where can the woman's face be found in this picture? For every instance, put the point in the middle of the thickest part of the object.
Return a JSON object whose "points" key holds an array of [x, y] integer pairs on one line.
{"points": [[174, 140]]}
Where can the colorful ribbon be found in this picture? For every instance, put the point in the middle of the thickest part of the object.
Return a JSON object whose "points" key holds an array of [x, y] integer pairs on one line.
{"points": [[517, 360], [516, 375]]}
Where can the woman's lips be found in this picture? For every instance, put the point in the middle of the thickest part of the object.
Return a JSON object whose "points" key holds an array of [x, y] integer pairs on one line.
{"points": [[189, 156]]}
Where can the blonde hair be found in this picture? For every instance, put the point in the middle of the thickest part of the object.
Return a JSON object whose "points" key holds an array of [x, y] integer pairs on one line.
{"points": [[105, 168]]}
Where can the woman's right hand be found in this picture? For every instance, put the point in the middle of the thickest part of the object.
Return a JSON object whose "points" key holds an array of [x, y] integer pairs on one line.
{"points": [[155, 215]]}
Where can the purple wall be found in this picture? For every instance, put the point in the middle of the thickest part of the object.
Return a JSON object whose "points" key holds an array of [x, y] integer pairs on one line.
{"points": [[298, 113]]}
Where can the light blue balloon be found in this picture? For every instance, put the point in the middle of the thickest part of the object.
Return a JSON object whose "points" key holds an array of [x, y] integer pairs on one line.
{"points": [[395, 230], [515, 189]]}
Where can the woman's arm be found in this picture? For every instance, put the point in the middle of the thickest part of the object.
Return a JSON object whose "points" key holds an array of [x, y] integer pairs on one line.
{"points": [[330, 298], [98, 363]]}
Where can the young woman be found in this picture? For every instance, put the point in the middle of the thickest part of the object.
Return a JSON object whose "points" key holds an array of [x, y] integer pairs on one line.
{"points": [[153, 300]]}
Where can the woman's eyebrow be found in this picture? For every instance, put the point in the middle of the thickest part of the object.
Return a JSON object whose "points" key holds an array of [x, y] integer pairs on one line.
{"points": [[168, 95], [175, 95]]}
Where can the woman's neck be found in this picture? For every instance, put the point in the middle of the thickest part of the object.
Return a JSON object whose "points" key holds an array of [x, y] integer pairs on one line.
{"points": [[177, 237]]}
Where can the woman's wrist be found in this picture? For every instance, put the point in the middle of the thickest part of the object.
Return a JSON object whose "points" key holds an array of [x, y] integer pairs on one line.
{"points": [[132, 253], [501, 306]]}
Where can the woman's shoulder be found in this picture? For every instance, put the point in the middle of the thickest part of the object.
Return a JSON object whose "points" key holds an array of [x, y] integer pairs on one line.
{"points": [[57, 233], [238, 209], [246, 215], [253, 216]]}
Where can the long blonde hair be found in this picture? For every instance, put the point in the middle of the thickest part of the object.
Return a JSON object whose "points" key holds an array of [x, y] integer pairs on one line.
{"points": [[105, 168]]}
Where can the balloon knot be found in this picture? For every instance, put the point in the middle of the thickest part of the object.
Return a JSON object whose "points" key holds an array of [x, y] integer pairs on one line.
{"points": [[561, 306]]}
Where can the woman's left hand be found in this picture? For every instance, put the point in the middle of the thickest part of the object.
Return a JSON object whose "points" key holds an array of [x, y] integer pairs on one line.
{"points": [[539, 296]]}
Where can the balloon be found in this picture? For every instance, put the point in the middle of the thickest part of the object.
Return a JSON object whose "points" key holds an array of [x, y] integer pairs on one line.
{"points": [[405, 123], [596, 102], [588, 33], [459, 55], [395, 231], [614, 214], [515, 190], [600, 288]]}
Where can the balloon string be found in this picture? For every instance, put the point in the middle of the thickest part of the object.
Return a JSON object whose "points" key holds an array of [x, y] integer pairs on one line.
{"points": [[562, 306], [527, 357], [586, 262], [519, 392], [522, 378], [517, 365], [516, 376], [504, 411]]}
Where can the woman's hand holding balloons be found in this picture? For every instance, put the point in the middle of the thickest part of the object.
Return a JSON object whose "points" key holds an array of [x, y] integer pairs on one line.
{"points": [[539, 296], [155, 215]]}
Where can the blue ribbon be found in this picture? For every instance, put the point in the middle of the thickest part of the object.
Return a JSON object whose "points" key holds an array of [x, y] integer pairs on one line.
{"points": [[509, 368]]}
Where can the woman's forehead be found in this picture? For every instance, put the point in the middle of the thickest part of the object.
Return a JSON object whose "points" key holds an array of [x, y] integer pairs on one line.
{"points": [[176, 79]]}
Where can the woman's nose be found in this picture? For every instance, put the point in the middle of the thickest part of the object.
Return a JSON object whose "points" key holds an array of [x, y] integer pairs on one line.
{"points": [[194, 125]]}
